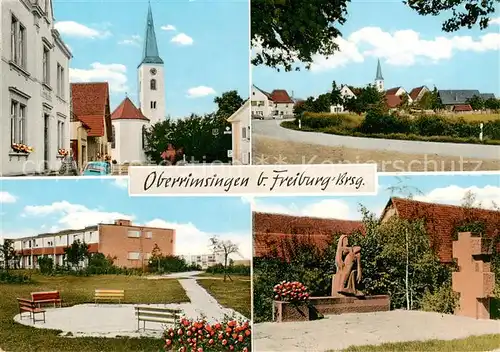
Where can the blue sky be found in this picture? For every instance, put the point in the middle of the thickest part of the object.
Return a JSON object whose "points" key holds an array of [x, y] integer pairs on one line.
{"points": [[29, 207], [374, 29], [105, 38], [445, 189]]}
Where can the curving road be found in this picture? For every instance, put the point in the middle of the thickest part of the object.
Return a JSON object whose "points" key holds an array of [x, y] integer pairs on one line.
{"points": [[272, 129]]}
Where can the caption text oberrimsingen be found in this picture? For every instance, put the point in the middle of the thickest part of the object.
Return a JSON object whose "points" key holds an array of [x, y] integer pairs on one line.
{"points": [[276, 179]]}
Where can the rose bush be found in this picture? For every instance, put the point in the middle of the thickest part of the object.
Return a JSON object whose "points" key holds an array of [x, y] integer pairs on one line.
{"points": [[200, 336], [291, 292], [63, 152]]}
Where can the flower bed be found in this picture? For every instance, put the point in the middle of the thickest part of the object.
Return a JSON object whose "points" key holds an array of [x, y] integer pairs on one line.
{"points": [[199, 336], [21, 148]]}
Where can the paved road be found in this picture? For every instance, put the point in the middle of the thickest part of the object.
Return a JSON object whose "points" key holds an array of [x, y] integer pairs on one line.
{"points": [[272, 129]]}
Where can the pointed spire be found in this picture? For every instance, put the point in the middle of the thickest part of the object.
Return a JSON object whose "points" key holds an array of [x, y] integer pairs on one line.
{"points": [[150, 54], [379, 76]]}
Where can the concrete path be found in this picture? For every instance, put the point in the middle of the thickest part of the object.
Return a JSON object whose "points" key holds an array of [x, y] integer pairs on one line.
{"points": [[112, 320], [272, 129], [183, 275], [337, 332]]}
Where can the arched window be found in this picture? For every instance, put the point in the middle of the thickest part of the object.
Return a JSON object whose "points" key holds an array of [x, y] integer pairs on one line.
{"points": [[144, 137], [113, 137], [152, 84]]}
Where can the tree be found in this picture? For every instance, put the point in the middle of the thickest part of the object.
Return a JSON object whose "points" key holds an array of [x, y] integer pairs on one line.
{"points": [[430, 101], [288, 31], [405, 102], [492, 103], [336, 95], [322, 103], [228, 103], [46, 264], [368, 98], [7, 253], [76, 253], [156, 256], [225, 248], [476, 102]]}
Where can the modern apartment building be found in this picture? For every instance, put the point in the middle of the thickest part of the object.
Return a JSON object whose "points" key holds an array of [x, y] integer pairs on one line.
{"points": [[129, 245], [34, 88], [203, 260]]}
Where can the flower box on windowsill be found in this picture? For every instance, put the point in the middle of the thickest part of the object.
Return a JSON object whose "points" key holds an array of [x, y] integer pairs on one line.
{"points": [[18, 155], [59, 156]]}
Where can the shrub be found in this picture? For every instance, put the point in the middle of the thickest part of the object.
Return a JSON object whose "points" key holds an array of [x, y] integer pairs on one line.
{"points": [[8, 277], [168, 264], [442, 300], [491, 129], [46, 265], [291, 292], [374, 123], [231, 269], [199, 336]]}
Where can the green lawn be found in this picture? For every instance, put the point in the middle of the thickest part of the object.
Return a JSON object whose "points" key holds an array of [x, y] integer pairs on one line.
{"points": [[472, 343], [231, 294], [76, 290]]}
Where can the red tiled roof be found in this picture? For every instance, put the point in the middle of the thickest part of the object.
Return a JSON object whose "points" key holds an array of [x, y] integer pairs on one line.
{"points": [[392, 91], [441, 221], [281, 96], [462, 107], [127, 110], [392, 100], [271, 229], [90, 101], [415, 92]]}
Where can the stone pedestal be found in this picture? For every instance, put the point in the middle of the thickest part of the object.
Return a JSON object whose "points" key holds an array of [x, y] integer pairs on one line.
{"points": [[474, 281], [317, 306], [286, 311]]}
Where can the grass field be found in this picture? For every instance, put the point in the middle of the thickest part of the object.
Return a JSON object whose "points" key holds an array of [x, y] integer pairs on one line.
{"points": [[231, 294], [77, 290], [472, 343]]}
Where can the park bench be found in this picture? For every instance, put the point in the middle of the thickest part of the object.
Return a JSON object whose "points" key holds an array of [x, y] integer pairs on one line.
{"points": [[109, 295], [27, 305], [47, 297], [157, 315]]}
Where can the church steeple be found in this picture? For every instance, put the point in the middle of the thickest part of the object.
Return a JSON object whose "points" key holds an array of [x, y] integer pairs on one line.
{"points": [[379, 79], [150, 54], [379, 76]]}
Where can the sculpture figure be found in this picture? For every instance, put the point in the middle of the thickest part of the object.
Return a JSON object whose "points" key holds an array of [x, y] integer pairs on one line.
{"points": [[347, 276]]}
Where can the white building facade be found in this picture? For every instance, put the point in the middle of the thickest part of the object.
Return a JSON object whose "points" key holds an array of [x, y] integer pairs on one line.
{"points": [[346, 93], [261, 104], [241, 135], [277, 104], [203, 260], [34, 88]]}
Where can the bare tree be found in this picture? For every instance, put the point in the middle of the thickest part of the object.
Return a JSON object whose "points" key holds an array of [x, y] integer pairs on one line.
{"points": [[225, 248]]}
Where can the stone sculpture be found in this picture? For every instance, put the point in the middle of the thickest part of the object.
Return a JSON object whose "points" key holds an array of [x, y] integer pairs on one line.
{"points": [[347, 277]]}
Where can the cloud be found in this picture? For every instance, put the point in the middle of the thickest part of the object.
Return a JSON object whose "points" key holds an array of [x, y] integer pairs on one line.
{"points": [[200, 91], [326, 209], [168, 27], [78, 30], [399, 48], [114, 74], [495, 20], [182, 39], [6, 197], [191, 240], [134, 40], [73, 216], [485, 196], [121, 182]]}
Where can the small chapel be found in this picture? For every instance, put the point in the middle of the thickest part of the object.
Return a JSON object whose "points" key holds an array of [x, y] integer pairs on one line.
{"points": [[129, 123]]}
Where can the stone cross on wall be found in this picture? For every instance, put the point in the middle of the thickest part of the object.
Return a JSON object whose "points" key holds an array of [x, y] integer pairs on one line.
{"points": [[474, 280]]}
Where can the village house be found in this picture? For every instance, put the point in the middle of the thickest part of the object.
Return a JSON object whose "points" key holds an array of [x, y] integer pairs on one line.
{"points": [[240, 135], [90, 102], [278, 104], [346, 93], [417, 93], [79, 136], [34, 89], [129, 245], [457, 99], [441, 223]]}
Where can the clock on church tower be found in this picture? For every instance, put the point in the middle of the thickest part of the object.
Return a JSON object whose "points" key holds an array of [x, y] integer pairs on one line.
{"points": [[152, 71]]}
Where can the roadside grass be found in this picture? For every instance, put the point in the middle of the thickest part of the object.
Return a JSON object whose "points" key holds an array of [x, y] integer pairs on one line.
{"points": [[475, 117], [471, 343], [77, 290], [234, 294]]}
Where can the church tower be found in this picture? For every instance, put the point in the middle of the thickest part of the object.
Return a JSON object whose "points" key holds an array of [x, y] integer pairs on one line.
{"points": [[379, 79], [151, 76]]}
